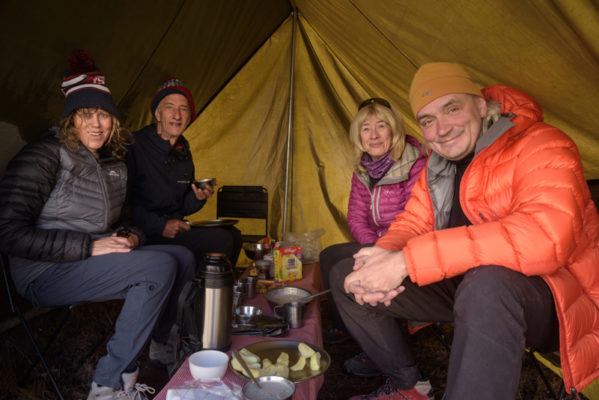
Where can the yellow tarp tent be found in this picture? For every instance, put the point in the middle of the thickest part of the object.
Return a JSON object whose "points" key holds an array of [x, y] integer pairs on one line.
{"points": [[236, 57]]}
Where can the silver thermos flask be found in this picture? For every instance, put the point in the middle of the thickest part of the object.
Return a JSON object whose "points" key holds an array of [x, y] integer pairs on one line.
{"points": [[216, 302]]}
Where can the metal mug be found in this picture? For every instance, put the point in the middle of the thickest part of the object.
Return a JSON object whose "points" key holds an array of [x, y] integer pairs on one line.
{"points": [[238, 299], [239, 287], [249, 285], [263, 268], [292, 313]]}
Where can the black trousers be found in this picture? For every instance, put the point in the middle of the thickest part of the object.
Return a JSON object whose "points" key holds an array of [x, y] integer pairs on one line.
{"points": [[328, 258], [496, 313], [202, 240]]}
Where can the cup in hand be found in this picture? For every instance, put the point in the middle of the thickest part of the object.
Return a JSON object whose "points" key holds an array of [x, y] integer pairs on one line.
{"points": [[204, 183]]}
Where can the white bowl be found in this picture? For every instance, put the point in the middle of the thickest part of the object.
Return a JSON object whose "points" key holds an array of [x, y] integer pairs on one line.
{"points": [[208, 364]]}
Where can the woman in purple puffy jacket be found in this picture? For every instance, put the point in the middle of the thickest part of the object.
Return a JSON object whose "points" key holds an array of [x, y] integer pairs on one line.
{"points": [[387, 163]]}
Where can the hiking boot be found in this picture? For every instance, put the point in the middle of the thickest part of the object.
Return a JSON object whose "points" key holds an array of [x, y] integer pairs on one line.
{"points": [[361, 366], [336, 336], [161, 353], [131, 389], [421, 391]]}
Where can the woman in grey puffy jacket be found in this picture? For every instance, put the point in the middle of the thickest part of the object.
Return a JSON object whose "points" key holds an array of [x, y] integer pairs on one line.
{"points": [[387, 163], [62, 199]]}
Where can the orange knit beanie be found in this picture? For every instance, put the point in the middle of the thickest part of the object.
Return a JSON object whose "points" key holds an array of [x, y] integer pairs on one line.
{"points": [[434, 80]]}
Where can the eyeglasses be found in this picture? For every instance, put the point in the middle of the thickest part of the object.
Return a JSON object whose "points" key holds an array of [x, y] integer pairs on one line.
{"points": [[376, 100]]}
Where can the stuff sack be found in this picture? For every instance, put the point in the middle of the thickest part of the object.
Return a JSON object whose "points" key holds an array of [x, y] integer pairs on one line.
{"points": [[188, 324]]}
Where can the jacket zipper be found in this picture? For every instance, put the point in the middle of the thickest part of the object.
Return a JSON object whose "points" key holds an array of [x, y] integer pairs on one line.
{"points": [[376, 193], [104, 193]]}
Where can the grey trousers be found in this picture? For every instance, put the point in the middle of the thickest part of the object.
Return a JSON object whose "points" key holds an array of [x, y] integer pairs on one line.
{"points": [[149, 278], [496, 313]]}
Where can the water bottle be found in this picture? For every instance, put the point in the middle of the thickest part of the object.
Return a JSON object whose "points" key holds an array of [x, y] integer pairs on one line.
{"points": [[216, 302]]}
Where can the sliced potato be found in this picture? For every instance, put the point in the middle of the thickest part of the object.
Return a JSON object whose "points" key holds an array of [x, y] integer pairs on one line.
{"points": [[266, 367], [315, 361], [305, 350], [266, 363], [283, 358], [255, 372], [270, 369], [282, 370], [237, 366], [299, 365], [248, 356]]}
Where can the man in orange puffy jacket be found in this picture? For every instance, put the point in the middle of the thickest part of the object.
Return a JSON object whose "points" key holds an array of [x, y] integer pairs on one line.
{"points": [[500, 237]]}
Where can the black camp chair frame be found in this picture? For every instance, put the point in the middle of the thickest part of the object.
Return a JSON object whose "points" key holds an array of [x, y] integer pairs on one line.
{"points": [[562, 389], [41, 353], [244, 202], [14, 307]]}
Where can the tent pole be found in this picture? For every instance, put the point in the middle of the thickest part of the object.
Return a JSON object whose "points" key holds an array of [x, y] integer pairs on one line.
{"points": [[289, 155]]}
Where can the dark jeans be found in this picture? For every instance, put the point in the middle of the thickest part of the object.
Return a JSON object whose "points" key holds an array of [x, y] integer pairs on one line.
{"points": [[327, 259], [202, 240], [496, 313], [149, 278]]}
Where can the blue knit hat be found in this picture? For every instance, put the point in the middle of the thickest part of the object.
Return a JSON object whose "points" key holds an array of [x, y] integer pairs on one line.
{"points": [[170, 86], [84, 86]]}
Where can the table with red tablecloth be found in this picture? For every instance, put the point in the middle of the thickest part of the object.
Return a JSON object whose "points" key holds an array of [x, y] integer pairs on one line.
{"points": [[310, 332]]}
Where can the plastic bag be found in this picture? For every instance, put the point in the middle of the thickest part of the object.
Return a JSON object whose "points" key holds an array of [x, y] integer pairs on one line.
{"points": [[310, 242], [214, 389]]}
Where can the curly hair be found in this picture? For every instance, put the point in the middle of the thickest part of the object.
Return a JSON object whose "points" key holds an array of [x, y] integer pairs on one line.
{"points": [[116, 144], [388, 114]]}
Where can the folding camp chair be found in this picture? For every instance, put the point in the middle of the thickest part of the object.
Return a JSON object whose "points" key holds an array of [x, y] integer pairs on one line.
{"points": [[14, 299], [552, 362], [14, 307], [244, 202]]}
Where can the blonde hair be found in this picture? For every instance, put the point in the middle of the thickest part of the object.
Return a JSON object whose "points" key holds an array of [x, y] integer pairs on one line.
{"points": [[116, 144], [387, 114]]}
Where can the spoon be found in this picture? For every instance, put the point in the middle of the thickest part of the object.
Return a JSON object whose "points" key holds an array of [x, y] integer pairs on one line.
{"points": [[306, 299], [245, 367]]}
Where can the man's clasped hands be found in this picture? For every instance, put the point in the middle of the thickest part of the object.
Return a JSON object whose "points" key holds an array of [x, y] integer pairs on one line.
{"points": [[377, 277]]}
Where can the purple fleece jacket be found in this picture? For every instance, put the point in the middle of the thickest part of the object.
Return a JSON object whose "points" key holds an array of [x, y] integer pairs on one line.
{"points": [[371, 210]]}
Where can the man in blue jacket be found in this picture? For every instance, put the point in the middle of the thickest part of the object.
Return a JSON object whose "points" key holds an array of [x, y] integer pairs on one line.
{"points": [[161, 172]]}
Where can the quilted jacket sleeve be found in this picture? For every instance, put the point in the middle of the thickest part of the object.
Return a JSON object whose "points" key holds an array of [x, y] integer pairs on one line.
{"points": [[29, 179], [358, 213], [528, 218]]}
